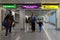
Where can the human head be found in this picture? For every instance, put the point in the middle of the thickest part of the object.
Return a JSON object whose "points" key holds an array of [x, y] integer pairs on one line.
{"points": [[33, 15], [10, 12]]}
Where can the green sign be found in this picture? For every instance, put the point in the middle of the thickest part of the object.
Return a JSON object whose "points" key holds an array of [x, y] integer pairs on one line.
{"points": [[9, 6]]}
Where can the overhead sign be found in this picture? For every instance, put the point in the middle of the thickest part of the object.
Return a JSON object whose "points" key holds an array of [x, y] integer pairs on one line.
{"points": [[53, 3], [30, 6], [49, 7], [9, 6]]}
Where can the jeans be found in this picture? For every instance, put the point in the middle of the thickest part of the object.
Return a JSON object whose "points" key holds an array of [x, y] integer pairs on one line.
{"points": [[40, 28]]}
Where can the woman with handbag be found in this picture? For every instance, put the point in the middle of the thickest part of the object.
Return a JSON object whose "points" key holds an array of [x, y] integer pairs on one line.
{"points": [[6, 24], [10, 20]]}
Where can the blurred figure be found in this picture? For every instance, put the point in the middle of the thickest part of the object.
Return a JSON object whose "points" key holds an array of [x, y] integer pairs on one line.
{"points": [[29, 19], [26, 28], [10, 19], [40, 24], [33, 21], [29, 22]]}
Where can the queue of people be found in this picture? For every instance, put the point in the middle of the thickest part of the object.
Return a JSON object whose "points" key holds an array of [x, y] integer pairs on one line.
{"points": [[9, 20], [33, 20]]}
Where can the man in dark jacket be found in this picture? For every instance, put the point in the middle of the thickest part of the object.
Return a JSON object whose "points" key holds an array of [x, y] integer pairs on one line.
{"points": [[33, 22], [9, 27]]}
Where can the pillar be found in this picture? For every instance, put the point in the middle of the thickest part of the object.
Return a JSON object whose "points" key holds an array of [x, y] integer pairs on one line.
{"points": [[58, 18]]}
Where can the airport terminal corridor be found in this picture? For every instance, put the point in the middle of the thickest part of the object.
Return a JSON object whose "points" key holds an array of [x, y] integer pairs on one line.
{"points": [[36, 20]]}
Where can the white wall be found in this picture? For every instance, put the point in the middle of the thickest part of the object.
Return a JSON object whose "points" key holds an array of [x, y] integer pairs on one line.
{"points": [[2, 15], [58, 18]]}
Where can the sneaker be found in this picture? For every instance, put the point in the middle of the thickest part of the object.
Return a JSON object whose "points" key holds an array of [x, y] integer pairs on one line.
{"points": [[6, 35], [9, 32]]}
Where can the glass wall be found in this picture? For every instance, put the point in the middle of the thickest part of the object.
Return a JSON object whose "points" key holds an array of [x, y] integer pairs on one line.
{"points": [[52, 18]]}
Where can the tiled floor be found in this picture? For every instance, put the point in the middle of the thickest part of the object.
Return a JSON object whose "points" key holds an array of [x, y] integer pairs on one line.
{"points": [[48, 33], [18, 34], [52, 32]]}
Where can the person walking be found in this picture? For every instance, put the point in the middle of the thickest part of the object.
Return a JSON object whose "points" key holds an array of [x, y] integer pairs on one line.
{"points": [[10, 20]]}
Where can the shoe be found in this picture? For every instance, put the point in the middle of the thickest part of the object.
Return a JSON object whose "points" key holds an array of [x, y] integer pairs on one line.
{"points": [[9, 32], [5, 34]]}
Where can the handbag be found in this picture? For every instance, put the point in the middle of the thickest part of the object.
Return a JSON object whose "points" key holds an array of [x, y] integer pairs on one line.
{"points": [[13, 24], [5, 23]]}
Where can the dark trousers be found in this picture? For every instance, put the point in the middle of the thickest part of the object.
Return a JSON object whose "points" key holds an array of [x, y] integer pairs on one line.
{"points": [[8, 29], [33, 26]]}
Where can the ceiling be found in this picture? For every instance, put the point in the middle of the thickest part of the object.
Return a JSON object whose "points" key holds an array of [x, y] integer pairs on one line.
{"points": [[28, 1], [36, 12]]}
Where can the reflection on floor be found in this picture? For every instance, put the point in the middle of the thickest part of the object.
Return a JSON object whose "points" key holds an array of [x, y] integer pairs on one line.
{"points": [[18, 34], [48, 33]]}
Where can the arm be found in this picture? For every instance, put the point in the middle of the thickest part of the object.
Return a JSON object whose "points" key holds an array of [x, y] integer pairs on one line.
{"points": [[13, 18], [6, 17]]}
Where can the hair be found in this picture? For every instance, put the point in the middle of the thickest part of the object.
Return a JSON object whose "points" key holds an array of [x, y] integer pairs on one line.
{"points": [[10, 12]]}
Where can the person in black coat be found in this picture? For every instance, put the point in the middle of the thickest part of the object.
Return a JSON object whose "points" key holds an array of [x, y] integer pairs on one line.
{"points": [[10, 17], [33, 22]]}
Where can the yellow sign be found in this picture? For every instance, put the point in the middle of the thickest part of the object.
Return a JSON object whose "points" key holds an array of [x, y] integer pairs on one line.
{"points": [[49, 7]]}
